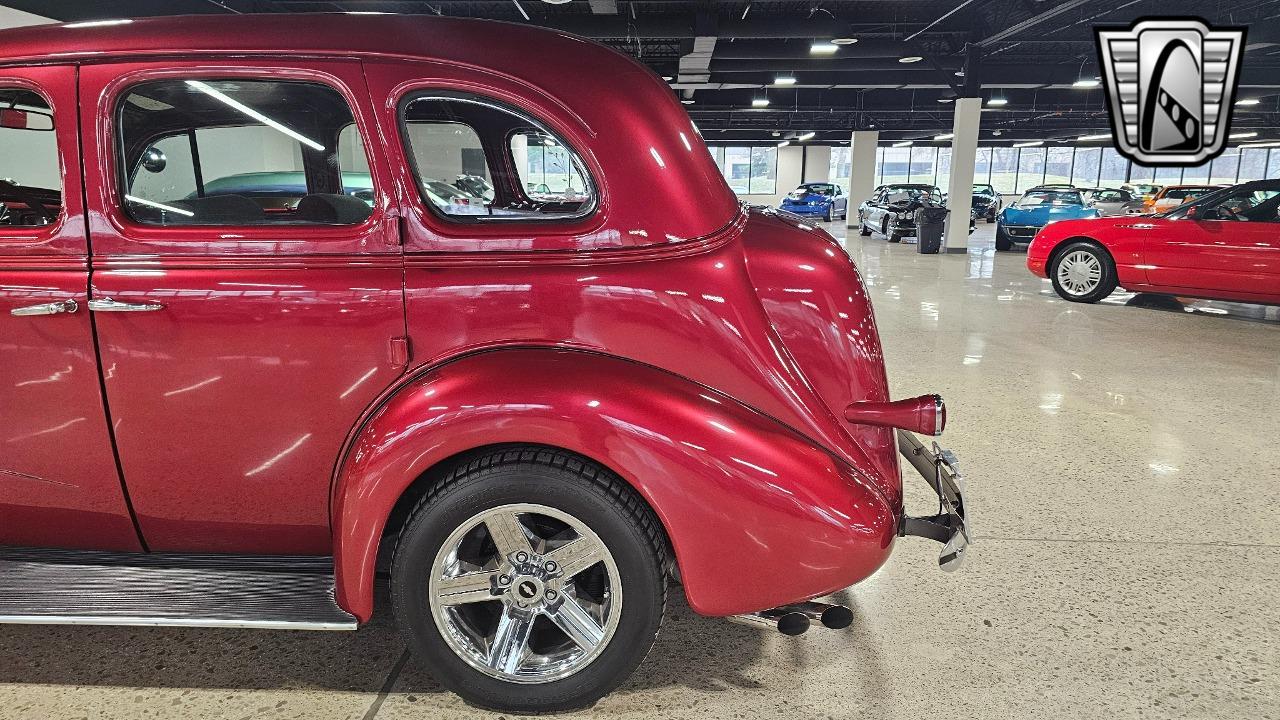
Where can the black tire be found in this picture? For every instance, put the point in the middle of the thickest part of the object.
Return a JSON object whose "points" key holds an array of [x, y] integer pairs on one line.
{"points": [[830, 215], [559, 480], [890, 235], [1106, 282], [863, 230], [1003, 240]]}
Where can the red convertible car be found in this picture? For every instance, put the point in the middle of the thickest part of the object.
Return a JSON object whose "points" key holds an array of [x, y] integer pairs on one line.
{"points": [[224, 409], [1223, 246]]}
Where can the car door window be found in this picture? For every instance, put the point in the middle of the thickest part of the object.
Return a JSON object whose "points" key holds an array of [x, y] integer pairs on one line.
{"points": [[240, 152], [478, 160], [1250, 206], [30, 174]]}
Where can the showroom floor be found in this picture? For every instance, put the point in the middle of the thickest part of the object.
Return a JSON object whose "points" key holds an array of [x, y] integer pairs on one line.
{"points": [[1121, 461]]}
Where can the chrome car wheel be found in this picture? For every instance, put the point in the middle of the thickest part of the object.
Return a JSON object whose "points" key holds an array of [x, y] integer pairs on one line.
{"points": [[1079, 272], [525, 593]]}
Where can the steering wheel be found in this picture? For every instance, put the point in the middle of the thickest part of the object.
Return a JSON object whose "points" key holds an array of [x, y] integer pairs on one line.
{"points": [[29, 198]]}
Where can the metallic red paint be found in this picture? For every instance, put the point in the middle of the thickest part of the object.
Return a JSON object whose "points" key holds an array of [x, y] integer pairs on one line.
{"points": [[58, 481], [742, 497], [703, 352], [1215, 259], [925, 415]]}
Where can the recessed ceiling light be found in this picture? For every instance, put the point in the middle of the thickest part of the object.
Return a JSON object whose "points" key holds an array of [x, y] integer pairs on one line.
{"points": [[1246, 101], [775, 133], [784, 80], [959, 73], [1261, 145], [668, 78], [760, 102], [687, 101], [1030, 143], [998, 102], [944, 136], [844, 40], [904, 143], [1086, 83], [1102, 136], [1240, 135], [784, 143], [822, 47], [806, 136], [910, 59], [944, 100]]}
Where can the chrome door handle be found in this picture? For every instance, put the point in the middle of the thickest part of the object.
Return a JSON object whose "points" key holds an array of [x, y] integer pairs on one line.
{"points": [[53, 308], [109, 305]]}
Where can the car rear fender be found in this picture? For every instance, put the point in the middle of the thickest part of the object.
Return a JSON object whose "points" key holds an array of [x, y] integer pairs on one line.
{"points": [[757, 515]]}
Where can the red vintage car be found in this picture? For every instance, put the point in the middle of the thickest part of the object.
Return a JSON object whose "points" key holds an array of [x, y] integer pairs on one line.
{"points": [[231, 400], [1223, 246]]}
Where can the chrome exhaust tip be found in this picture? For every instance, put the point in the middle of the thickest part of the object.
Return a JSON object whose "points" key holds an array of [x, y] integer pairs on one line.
{"points": [[788, 621], [832, 617]]}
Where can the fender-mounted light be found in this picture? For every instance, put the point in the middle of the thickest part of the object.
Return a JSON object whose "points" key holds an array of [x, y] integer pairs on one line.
{"points": [[926, 415]]}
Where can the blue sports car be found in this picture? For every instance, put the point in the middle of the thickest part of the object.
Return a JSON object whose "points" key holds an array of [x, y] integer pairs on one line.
{"points": [[1038, 207], [826, 200]]}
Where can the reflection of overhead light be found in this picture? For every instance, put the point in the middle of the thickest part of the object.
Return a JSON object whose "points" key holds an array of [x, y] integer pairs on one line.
{"points": [[910, 59], [904, 143], [1102, 136], [784, 143], [944, 136], [844, 40], [1248, 101], [159, 206], [784, 80], [760, 102], [822, 48], [1239, 135], [1086, 83], [97, 23], [1029, 143], [237, 105], [998, 102], [806, 136]]}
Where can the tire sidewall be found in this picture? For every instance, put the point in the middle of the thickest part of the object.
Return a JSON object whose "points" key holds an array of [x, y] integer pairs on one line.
{"points": [[643, 588], [1106, 284]]}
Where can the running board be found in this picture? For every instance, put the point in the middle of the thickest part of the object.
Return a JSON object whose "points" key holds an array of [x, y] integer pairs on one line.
{"points": [[73, 587]]}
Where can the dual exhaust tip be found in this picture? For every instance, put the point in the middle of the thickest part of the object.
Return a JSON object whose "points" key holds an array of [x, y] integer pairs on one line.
{"points": [[796, 619]]}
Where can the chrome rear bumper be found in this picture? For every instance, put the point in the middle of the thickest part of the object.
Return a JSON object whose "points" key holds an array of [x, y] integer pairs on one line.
{"points": [[940, 469]]}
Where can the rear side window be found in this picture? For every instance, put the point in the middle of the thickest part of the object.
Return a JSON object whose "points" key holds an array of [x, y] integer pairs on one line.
{"points": [[30, 175], [478, 160], [241, 152]]}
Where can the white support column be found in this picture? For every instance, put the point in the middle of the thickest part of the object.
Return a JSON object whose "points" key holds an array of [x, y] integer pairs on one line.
{"points": [[964, 155], [10, 18], [817, 163], [862, 170]]}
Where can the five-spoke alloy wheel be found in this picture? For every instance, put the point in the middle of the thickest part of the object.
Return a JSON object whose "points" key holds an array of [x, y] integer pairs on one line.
{"points": [[510, 574]]}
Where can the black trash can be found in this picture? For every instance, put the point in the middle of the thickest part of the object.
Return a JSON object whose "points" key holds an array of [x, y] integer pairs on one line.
{"points": [[930, 222]]}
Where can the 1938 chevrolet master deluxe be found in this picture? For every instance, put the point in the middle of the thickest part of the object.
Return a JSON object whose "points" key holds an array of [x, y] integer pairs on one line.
{"points": [[228, 401]]}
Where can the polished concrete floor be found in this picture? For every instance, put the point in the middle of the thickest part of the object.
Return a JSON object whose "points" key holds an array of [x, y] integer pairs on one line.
{"points": [[1122, 475]]}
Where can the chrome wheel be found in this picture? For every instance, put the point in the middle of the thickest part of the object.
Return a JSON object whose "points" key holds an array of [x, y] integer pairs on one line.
{"points": [[1080, 272], [525, 593]]}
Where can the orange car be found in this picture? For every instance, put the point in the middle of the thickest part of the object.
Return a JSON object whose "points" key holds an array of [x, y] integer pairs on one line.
{"points": [[1171, 196]]}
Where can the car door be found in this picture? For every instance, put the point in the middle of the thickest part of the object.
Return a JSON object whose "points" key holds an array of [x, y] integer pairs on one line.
{"points": [[1229, 246], [59, 486], [246, 287]]}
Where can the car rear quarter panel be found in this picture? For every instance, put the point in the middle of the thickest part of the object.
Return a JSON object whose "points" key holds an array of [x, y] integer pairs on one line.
{"points": [[758, 516]]}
